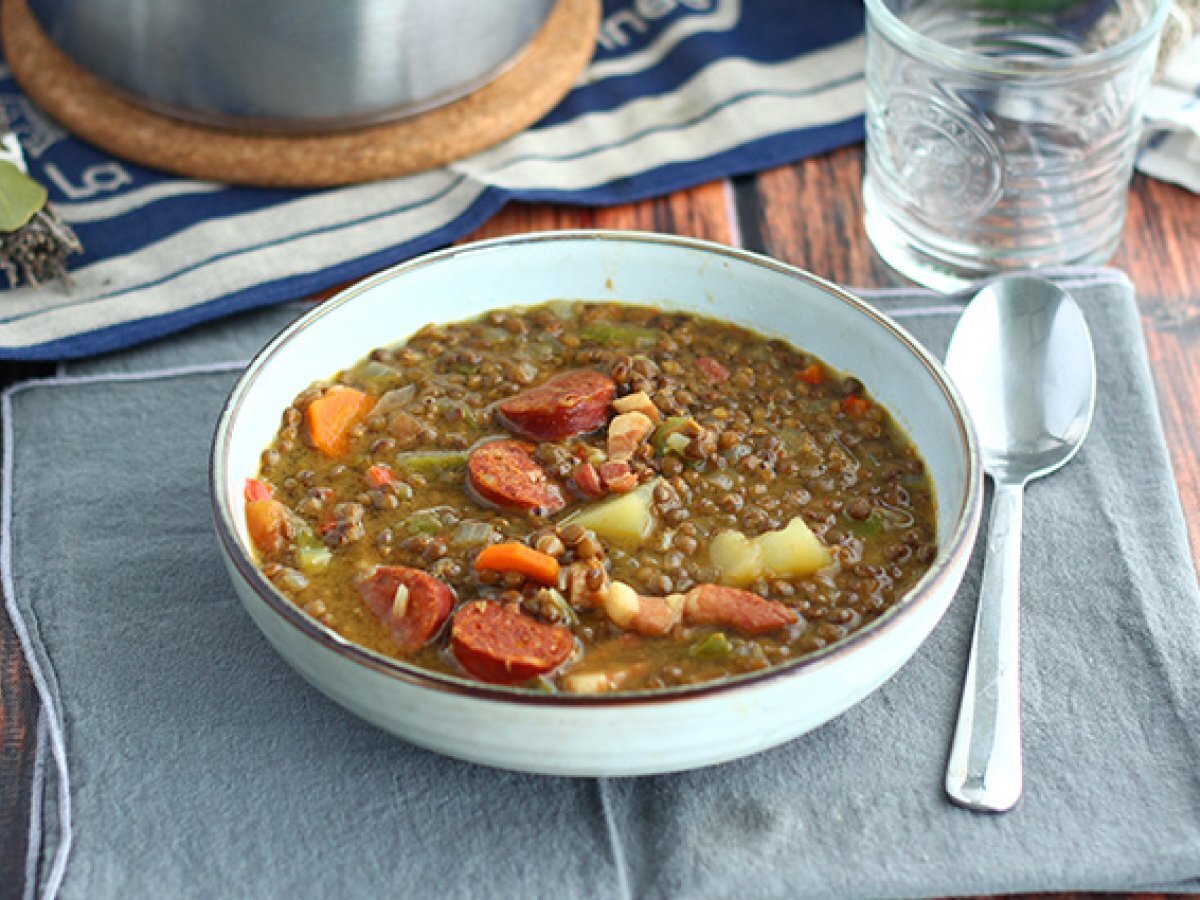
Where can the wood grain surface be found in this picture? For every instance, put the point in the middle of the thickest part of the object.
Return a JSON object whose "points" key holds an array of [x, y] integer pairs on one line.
{"points": [[809, 214]]}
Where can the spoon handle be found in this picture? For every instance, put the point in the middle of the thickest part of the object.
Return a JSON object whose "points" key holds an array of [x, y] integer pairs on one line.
{"points": [[984, 771]]}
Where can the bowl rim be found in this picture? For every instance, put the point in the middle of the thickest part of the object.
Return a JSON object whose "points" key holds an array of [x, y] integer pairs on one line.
{"points": [[948, 560]]}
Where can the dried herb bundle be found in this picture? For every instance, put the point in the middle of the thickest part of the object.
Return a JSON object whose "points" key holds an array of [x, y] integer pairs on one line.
{"points": [[34, 241]]}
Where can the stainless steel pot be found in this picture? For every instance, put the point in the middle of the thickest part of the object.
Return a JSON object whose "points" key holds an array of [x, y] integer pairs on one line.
{"points": [[292, 65]]}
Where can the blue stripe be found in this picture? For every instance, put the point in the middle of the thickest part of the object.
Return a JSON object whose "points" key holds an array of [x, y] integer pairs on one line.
{"points": [[116, 337], [241, 251], [131, 231], [678, 126], [1159, 137], [1156, 140], [756, 156], [769, 31]]}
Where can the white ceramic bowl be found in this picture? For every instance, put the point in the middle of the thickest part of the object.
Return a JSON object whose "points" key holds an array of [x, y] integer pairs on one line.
{"points": [[665, 731]]}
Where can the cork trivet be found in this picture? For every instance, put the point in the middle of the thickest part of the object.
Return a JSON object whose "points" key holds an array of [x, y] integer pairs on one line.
{"points": [[518, 97]]}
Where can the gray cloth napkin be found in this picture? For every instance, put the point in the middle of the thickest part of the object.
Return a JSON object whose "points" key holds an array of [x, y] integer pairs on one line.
{"points": [[182, 757]]}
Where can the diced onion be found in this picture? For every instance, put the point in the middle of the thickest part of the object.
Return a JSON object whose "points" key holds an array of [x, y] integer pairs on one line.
{"points": [[472, 534], [400, 602], [677, 442]]}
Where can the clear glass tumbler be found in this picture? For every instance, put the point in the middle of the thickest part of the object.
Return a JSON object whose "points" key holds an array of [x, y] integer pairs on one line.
{"points": [[1001, 133]]}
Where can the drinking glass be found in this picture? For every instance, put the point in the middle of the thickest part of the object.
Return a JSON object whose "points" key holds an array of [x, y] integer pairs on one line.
{"points": [[1001, 133]]}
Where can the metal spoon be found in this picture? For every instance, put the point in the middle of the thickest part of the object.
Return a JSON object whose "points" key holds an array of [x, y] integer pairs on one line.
{"points": [[1022, 358]]}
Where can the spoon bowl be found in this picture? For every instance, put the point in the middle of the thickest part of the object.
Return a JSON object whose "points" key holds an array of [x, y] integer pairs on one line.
{"points": [[1022, 359]]}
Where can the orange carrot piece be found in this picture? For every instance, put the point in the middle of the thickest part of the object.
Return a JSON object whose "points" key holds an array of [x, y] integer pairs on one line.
{"points": [[812, 374], [379, 475], [257, 490], [855, 406], [264, 521], [514, 557], [330, 417]]}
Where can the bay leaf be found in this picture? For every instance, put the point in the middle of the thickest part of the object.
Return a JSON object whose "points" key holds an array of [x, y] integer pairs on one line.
{"points": [[20, 197]]}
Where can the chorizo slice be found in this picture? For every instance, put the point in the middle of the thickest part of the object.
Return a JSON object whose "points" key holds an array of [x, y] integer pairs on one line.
{"points": [[505, 473], [572, 403], [501, 645], [413, 605], [729, 607]]}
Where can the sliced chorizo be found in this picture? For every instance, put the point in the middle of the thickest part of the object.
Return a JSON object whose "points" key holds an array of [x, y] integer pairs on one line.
{"points": [[413, 605], [506, 473], [729, 607], [572, 403], [501, 645]]}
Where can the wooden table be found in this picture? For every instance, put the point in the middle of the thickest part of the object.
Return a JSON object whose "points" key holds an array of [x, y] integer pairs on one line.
{"points": [[809, 214]]}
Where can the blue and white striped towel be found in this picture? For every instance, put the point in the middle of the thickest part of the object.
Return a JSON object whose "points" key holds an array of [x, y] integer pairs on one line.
{"points": [[680, 92]]}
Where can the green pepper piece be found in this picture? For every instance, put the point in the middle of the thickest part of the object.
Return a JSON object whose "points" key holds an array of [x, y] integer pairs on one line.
{"points": [[312, 556], [432, 462], [373, 375], [425, 521], [712, 646], [468, 414], [671, 425], [871, 526], [613, 334]]}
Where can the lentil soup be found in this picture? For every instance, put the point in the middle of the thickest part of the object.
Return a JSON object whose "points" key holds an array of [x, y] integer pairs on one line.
{"points": [[591, 497]]}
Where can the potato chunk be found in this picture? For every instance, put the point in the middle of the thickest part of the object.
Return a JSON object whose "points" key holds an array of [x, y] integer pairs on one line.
{"points": [[791, 551], [626, 519], [739, 558]]}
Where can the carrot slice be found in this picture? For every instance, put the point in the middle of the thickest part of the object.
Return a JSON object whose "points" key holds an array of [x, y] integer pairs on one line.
{"points": [[812, 374], [330, 417], [514, 557], [264, 521], [379, 475], [855, 406]]}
